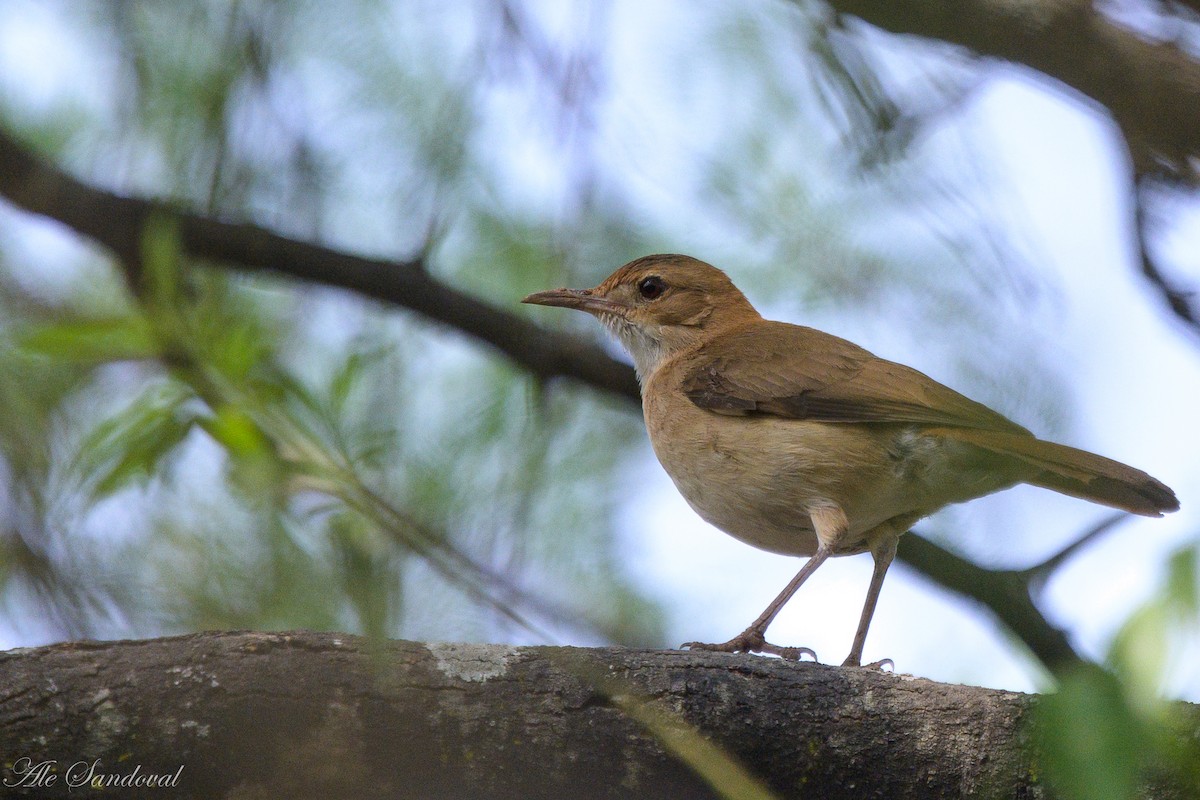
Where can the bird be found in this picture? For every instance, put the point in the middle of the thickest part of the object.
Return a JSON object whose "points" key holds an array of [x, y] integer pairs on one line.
{"points": [[802, 443]]}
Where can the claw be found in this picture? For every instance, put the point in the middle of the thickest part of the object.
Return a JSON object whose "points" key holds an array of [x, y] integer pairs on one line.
{"points": [[791, 653], [879, 665], [752, 641]]}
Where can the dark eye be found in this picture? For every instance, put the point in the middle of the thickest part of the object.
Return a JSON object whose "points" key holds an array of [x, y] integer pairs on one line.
{"points": [[651, 288]]}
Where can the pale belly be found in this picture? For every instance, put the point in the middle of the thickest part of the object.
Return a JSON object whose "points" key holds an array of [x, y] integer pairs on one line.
{"points": [[755, 478]]}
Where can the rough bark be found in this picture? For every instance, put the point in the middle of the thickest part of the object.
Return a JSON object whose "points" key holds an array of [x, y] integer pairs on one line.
{"points": [[325, 715]]}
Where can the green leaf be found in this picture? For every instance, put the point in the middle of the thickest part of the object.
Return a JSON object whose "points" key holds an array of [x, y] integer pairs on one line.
{"points": [[1141, 651], [364, 561], [92, 340], [1183, 587], [254, 468], [128, 446], [351, 374], [237, 433], [160, 258], [237, 351], [1093, 744]]}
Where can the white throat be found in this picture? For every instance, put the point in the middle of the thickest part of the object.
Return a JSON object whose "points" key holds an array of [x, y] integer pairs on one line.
{"points": [[647, 352]]}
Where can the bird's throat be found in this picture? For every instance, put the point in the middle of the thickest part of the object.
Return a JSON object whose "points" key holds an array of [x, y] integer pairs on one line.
{"points": [[647, 350]]}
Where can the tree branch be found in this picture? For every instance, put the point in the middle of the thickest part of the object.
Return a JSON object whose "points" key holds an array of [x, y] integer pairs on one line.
{"points": [[1005, 593], [329, 716], [1037, 574], [1181, 302], [1194, 5], [117, 223], [1151, 89]]}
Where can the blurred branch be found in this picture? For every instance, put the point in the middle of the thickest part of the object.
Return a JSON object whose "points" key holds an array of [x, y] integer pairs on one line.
{"points": [[1039, 573], [1006, 593], [1151, 89], [1194, 5], [116, 222], [1180, 301]]}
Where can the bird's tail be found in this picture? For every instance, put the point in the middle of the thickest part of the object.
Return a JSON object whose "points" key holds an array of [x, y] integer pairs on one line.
{"points": [[1075, 472]]}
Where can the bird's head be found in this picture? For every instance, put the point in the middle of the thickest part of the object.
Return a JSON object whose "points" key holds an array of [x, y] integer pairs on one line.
{"points": [[658, 306]]}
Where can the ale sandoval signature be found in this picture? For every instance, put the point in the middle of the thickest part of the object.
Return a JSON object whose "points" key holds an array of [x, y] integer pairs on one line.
{"points": [[26, 773]]}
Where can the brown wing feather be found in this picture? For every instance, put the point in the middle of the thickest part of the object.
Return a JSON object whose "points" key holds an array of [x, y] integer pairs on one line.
{"points": [[802, 373]]}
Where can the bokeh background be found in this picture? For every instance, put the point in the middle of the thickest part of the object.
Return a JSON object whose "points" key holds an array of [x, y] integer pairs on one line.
{"points": [[226, 450]]}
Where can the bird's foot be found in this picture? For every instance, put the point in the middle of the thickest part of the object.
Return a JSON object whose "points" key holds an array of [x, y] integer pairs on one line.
{"points": [[879, 665], [753, 641]]}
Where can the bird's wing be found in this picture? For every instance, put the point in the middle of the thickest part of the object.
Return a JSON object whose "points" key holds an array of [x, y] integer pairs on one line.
{"points": [[800, 373]]}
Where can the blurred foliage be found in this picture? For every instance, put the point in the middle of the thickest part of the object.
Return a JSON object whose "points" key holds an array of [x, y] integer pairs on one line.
{"points": [[205, 449], [1108, 734], [209, 451]]}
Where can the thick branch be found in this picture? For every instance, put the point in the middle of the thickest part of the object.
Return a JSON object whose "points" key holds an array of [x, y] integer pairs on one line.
{"points": [[328, 716], [1152, 89], [116, 222]]}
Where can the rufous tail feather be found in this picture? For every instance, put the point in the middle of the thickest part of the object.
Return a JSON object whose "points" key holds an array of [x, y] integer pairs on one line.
{"points": [[1075, 472]]}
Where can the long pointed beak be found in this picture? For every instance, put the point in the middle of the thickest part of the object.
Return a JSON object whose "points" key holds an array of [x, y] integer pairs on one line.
{"points": [[582, 299]]}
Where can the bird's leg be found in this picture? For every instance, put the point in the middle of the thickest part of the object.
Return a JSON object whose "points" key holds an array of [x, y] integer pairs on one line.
{"points": [[830, 524], [753, 639], [883, 553]]}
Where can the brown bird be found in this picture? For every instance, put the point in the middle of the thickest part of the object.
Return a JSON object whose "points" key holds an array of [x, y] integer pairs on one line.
{"points": [[802, 443]]}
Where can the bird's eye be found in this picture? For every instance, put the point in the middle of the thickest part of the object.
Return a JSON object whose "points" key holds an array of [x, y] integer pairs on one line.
{"points": [[651, 288]]}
